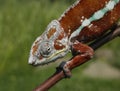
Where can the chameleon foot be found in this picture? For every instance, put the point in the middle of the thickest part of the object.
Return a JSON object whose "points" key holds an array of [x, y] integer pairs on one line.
{"points": [[63, 67]]}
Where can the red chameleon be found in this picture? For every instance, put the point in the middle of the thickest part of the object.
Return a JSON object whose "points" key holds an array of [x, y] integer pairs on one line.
{"points": [[82, 23]]}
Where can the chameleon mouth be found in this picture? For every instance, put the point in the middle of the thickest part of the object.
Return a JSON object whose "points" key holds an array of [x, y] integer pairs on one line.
{"points": [[57, 52], [34, 61]]}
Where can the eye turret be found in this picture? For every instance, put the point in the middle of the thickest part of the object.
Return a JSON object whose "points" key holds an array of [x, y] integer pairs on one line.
{"points": [[45, 49]]}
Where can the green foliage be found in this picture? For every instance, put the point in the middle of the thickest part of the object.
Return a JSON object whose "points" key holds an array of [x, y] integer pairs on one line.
{"points": [[21, 21]]}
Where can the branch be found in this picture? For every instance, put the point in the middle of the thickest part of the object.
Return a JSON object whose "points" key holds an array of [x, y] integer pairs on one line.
{"points": [[59, 75]]}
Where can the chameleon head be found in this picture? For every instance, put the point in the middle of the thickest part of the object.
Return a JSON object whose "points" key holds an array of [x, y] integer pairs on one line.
{"points": [[50, 46]]}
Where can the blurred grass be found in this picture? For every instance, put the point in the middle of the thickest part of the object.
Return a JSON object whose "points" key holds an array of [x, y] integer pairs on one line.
{"points": [[21, 21]]}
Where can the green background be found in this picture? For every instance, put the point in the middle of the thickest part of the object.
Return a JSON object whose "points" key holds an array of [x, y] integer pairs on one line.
{"points": [[21, 21]]}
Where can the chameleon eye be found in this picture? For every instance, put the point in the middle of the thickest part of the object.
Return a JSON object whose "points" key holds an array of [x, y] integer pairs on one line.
{"points": [[49, 49], [45, 49]]}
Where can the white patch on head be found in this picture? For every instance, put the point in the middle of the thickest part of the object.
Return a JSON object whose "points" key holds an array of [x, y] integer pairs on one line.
{"points": [[64, 41], [60, 44], [32, 58], [54, 24]]}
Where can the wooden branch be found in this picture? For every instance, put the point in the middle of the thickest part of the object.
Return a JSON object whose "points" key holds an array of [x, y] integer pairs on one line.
{"points": [[59, 75]]}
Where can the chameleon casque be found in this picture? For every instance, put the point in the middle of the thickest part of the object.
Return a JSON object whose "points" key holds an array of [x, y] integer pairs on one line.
{"points": [[82, 23]]}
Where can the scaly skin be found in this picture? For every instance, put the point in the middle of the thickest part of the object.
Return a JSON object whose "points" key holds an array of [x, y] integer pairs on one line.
{"points": [[84, 10], [83, 22]]}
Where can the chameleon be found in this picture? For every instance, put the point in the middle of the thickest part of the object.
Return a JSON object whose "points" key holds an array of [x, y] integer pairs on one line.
{"points": [[81, 23]]}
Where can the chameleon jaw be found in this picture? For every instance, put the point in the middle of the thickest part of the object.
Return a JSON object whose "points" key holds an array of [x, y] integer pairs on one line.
{"points": [[33, 60]]}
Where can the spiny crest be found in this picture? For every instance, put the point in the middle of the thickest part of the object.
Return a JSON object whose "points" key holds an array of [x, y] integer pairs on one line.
{"points": [[71, 7]]}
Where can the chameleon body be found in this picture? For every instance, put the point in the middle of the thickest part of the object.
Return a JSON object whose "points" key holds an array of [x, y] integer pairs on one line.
{"points": [[83, 22]]}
